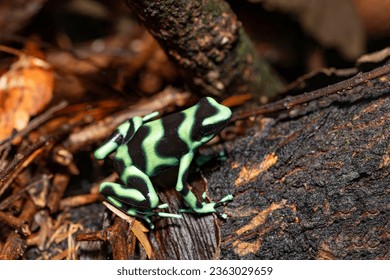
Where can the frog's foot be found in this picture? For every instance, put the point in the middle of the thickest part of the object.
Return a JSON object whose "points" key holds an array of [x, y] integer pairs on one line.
{"points": [[165, 214], [205, 208], [145, 215], [168, 215]]}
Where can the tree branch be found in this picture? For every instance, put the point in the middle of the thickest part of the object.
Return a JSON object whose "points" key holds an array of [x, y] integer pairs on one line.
{"points": [[208, 44]]}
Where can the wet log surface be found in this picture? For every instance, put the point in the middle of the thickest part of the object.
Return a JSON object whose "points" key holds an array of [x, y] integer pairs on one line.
{"points": [[314, 186]]}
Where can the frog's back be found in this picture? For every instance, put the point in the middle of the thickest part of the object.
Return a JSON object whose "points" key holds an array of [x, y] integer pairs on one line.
{"points": [[156, 146]]}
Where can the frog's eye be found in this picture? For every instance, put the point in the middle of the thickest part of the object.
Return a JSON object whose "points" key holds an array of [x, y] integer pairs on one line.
{"points": [[208, 130], [214, 128]]}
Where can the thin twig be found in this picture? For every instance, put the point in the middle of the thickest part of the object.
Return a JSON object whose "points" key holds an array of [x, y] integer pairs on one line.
{"points": [[79, 200], [19, 163], [36, 122], [6, 202], [99, 130], [16, 223], [290, 102]]}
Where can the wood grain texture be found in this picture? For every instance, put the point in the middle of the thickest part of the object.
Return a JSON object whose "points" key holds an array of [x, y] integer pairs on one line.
{"points": [[193, 236]]}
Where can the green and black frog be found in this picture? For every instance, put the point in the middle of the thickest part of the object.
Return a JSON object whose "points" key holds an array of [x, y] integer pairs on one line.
{"points": [[145, 146]]}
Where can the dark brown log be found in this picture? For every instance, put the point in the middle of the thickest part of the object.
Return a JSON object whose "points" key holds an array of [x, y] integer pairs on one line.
{"points": [[208, 44], [315, 186]]}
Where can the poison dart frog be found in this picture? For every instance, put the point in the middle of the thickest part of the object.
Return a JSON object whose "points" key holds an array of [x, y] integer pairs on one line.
{"points": [[144, 147]]}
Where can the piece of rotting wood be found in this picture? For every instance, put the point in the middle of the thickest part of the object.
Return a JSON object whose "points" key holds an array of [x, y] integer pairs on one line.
{"points": [[312, 181]]}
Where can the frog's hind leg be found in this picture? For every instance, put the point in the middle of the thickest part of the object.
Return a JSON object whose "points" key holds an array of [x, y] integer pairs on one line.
{"points": [[138, 181], [145, 214], [225, 199], [195, 206], [132, 211], [203, 207], [137, 198]]}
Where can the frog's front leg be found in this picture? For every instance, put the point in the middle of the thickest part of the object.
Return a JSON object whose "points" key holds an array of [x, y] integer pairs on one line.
{"points": [[137, 198], [188, 195], [122, 134]]}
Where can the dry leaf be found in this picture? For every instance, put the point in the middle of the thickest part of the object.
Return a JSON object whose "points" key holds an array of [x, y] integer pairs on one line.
{"points": [[139, 231], [25, 90]]}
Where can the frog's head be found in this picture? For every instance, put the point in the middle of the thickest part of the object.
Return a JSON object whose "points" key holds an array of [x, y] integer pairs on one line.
{"points": [[211, 117]]}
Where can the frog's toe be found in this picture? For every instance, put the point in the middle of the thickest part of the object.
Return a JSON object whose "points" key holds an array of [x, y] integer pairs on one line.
{"points": [[211, 207], [169, 215], [149, 222], [146, 216], [163, 206], [221, 215], [201, 211], [225, 199]]}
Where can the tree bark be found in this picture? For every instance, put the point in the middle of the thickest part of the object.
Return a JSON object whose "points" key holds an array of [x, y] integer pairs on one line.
{"points": [[208, 44], [315, 186]]}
